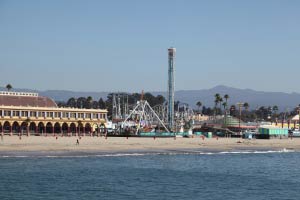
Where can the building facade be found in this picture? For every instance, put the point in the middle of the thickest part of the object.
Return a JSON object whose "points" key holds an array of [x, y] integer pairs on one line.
{"points": [[23, 113]]}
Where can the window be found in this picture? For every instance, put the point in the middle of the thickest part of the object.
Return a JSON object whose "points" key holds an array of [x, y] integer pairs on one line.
{"points": [[88, 115], [7, 112], [16, 113], [24, 113], [33, 114], [73, 115], [64, 115], [57, 114]]}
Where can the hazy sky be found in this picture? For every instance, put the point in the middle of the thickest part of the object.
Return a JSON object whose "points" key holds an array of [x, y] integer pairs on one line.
{"points": [[122, 45]]}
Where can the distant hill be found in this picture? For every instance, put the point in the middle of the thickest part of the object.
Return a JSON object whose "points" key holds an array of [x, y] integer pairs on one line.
{"points": [[63, 95], [254, 98], [206, 96]]}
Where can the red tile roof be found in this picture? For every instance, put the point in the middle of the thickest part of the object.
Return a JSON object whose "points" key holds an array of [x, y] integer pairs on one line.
{"points": [[11, 100]]}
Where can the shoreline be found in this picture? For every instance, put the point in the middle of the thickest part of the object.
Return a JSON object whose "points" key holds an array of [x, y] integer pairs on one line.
{"points": [[89, 146]]}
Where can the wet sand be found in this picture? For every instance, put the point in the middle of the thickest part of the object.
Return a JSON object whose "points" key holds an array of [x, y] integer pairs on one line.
{"points": [[40, 144]]}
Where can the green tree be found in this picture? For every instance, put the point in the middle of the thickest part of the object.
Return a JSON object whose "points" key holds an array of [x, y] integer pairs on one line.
{"points": [[101, 104], [246, 106], [217, 100], [72, 102], [226, 97], [81, 102], [199, 104], [9, 87], [89, 101]]}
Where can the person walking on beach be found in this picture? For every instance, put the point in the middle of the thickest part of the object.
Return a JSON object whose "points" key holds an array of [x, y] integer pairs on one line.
{"points": [[77, 142]]}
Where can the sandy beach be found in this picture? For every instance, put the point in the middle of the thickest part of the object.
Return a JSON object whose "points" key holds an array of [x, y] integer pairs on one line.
{"points": [[136, 144]]}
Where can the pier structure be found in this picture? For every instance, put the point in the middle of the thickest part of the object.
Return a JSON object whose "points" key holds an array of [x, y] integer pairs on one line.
{"points": [[171, 86], [23, 113]]}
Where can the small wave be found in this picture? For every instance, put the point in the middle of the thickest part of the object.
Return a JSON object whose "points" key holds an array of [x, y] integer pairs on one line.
{"points": [[258, 152], [284, 150]]}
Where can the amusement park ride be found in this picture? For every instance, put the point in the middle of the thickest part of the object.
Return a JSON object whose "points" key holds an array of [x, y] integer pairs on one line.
{"points": [[142, 118]]}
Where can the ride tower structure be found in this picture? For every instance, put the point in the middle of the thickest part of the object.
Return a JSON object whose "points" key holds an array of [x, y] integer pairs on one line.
{"points": [[171, 86]]}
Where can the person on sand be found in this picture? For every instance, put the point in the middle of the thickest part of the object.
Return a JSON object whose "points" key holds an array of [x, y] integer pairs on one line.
{"points": [[77, 142]]}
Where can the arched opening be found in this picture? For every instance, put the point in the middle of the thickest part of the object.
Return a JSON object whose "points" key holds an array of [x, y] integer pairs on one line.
{"points": [[49, 128], [15, 128], [80, 129], [32, 128], [23, 128], [6, 128], [88, 128], [41, 128], [72, 128], [57, 128], [65, 128]]}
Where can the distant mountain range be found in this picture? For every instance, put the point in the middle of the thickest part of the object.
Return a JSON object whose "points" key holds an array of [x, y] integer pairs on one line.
{"points": [[206, 96]]}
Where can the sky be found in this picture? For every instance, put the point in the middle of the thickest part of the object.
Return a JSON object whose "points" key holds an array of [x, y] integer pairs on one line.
{"points": [[117, 45]]}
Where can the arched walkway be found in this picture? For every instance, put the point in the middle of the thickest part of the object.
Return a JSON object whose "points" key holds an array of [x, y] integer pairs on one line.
{"points": [[7, 128], [23, 128], [41, 129], [65, 128], [57, 128], [15, 128], [80, 129], [73, 128], [88, 128], [33, 128], [49, 128]]}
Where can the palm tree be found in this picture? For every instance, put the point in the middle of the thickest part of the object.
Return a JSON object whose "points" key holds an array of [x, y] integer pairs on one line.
{"points": [[275, 109], [8, 87], [220, 102], [215, 108], [246, 106], [225, 106], [217, 99], [226, 97], [199, 104]]}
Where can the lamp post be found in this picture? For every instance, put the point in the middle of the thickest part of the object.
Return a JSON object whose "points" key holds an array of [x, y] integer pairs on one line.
{"points": [[240, 105]]}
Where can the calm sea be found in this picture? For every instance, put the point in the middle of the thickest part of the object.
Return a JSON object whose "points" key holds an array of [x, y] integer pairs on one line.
{"points": [[256, 175]]}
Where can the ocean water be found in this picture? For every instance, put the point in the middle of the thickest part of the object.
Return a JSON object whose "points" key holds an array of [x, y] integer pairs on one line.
{"points": [[169, 176]]}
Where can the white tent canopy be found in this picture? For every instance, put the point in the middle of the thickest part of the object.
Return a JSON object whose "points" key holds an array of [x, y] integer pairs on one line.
{"points": [[295, 118]]}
